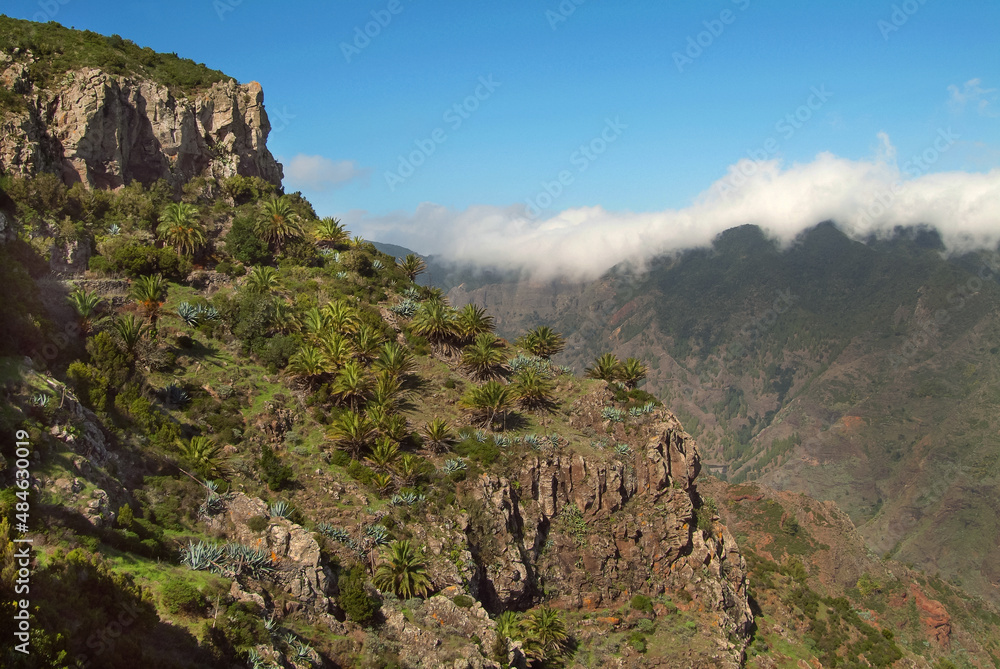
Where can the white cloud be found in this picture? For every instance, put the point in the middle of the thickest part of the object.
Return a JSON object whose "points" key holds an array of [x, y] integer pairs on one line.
{"points": [[863, 197], [319, 174], [972, 93]]}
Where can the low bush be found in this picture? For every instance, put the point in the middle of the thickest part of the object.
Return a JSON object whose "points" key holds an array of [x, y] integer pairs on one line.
{"points": [[181, 597]]}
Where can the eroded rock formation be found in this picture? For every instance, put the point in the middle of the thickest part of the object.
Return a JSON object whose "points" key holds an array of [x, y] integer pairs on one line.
{"points": [[106, 131]]}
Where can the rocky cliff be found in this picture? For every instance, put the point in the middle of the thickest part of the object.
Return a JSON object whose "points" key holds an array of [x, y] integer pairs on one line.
{"points": [[106, 131]]}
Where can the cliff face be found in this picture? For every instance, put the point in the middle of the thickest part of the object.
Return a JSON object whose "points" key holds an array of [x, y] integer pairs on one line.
{"points": [[638, 535], [106, 131]]}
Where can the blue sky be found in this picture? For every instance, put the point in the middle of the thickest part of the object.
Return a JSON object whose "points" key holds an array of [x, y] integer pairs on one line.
{"points": [[870, 81]]}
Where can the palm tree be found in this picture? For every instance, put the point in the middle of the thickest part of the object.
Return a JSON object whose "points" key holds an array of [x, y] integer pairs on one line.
{"points": [[331, 232], [402, 572], [543, 341], [384, 455], [315, 322], [262, 280], [205, 456], [545, 634], [352, 432], [341, 316], [412, 265], [336, 349], [473, 321], [131, 330], [606, 367], [309, 362], [394, 427], [436, 321], [488, 402], [438, 434], [150, 292], [351, 385], [179, 227], [387, 391], [367, 341], [631, 372], [278, 222], [408, 469], [394, 359], [533, 389], [86, 305], [382, 482], [484, 359]]}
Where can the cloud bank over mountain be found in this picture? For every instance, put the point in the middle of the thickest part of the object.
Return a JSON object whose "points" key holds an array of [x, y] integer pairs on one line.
{"points": [[863, 197]]}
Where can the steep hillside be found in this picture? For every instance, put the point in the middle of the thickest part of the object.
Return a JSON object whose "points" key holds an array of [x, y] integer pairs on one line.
{"points": [[820, 595], [855, 372]]}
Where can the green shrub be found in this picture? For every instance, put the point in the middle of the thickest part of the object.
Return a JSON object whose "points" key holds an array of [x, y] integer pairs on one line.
{"points": [[358, 605], [244, 244], [125, 516], [257, 523], [340, 458], [464, 601], [275, 474], [181, 597], [137, 260], [642, 603]]}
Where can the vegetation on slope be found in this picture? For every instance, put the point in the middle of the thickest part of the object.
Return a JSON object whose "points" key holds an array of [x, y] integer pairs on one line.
{"points": [[57, 50]]}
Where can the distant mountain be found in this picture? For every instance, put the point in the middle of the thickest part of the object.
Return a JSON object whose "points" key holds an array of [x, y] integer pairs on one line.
{"points": [[859, 372]]}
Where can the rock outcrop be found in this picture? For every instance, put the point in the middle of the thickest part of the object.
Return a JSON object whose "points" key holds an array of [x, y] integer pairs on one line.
{"points": [[106, 131], [599, 531]]}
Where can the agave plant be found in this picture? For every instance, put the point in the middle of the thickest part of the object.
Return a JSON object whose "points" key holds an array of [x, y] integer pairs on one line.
{"points": [[532, 441], [405, 309], [521, 362], [176, 395], [114, 229], [41, 400], [241, 559], [303, 650], [455, 465], [378, 265], [613, 414], [279, 509], [622, 450], [379, 534], [203, 556], [189, 313], [208, 313], [411, 293]]}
